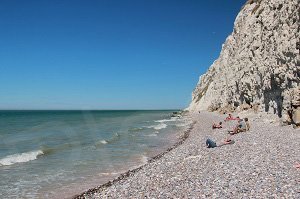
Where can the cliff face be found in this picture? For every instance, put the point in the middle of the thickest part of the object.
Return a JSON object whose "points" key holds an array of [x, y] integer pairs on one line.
{"points": [[259, 65]]}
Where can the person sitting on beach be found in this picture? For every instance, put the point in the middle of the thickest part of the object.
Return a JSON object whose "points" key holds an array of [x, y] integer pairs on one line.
{"points": [[229, 117], [240, 127], [212, 144], [247, 124], [217, 126], [297, 166]]}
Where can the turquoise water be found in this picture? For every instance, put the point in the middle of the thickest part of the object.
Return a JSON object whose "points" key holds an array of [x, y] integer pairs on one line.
{"points": [[54, 154]]}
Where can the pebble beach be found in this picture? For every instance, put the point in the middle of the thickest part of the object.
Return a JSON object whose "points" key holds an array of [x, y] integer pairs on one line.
{"points": [[260, 164]]}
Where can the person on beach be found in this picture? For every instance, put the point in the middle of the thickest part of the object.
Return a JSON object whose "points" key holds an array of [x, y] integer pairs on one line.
{"points": [[217, 126], [237, 118], [211, 144], [230, 117], [247, 124], [240, 127]]}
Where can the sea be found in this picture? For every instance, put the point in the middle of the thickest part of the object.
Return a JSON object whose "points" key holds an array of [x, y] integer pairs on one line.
{"points": [[58, 154]]}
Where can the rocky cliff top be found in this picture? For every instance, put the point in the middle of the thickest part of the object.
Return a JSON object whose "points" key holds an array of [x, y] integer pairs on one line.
{"points": [[259, 65]]}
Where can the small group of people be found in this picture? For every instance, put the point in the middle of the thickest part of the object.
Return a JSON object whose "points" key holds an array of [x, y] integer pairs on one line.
{"points": [[242, 126]]}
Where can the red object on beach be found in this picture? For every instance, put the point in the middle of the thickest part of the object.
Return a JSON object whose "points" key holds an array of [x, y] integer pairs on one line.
{"points": [[229, 117]]}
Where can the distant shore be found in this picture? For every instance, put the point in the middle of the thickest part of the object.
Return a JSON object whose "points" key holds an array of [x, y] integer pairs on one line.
{"points": [[259, 164]]}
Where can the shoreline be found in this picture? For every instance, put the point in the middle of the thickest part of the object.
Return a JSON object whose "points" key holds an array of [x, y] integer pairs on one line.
{"points": [[182, 137], [87, 155], [260, 164]]}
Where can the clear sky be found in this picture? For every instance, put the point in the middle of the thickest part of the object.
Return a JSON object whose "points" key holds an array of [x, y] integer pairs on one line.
{"points": [[108, 54]]}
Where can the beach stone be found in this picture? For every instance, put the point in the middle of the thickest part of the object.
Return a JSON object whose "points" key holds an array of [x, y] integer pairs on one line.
{"points": [[258, 165], [296, 116]]}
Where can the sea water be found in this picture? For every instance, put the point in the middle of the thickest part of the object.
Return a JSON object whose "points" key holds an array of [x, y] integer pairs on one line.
{"points": [[57, 154]]}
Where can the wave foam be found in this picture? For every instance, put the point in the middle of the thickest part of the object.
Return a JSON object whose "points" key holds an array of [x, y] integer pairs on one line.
{"points": [[103, 142], [20, 157], [159, 126], [136, 129], [152, 135], [108, 174], [114, 138], [173, 119], [144, 159]]}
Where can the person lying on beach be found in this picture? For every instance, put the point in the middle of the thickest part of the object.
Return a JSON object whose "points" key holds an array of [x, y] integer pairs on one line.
{"points": [[240, 127], [212, 144], [217, 126], [237, 118], [230, 117]]}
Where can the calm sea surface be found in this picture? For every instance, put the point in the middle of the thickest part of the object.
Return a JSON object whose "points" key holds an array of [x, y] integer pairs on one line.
{"points": [[54, 154]]}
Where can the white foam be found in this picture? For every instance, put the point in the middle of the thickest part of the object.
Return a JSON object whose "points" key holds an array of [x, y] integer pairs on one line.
{"points": [[136, 129], [151, 135], [20, 157], [108, 174], [167, 120], [158, 126], [144, 159], [101, 142]]}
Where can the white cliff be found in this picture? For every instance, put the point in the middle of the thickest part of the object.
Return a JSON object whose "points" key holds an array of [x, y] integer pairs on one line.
{"points": [[259, 65]]}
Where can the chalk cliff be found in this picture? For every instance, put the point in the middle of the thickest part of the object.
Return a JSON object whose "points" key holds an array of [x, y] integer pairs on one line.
{"points": [[259, 65]]}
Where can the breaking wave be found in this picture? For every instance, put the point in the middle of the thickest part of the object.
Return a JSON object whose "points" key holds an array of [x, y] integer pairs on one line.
{"points": [[173, 119], [20, 157], [135, 129], [151, 135], [114, 138], [158, 126], [102, 142]]}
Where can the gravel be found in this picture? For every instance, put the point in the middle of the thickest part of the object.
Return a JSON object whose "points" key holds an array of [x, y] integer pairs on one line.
{"points": [[258, 165]]}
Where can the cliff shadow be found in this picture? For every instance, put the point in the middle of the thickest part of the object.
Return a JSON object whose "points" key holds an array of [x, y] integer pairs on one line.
{"points": [[273, 99]]}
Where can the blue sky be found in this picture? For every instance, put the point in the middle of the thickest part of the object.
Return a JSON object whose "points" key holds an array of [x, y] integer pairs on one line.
{"points": [[108, 54]]}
